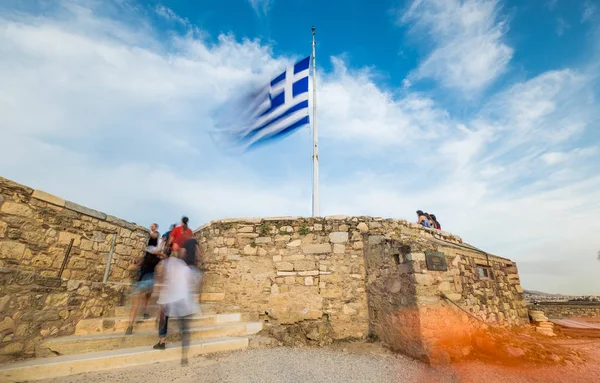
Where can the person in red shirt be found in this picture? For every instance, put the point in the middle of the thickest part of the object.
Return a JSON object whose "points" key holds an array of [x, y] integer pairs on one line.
{"points": [[181, 233]]}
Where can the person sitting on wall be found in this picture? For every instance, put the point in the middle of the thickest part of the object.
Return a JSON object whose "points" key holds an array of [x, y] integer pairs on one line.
{"points": [[422, 220], [434, 222]]}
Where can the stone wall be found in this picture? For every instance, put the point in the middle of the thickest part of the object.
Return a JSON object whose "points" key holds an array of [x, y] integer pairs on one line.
{"points": [[407, 307], [36, 229], [567, 310], [34, 307], [307, 277]]}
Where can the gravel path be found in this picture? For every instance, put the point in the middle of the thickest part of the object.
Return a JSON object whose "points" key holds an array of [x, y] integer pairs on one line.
{"points": [[369, 363]]}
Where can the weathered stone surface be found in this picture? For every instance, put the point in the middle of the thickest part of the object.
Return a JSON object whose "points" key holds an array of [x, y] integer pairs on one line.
{"points": [[14, 208], [304, 265], [7, 325], [46, 197], [250, 250], [284, 266], [295, 243], [246, 229], [4, 303], [263, 240], [339, 248], [338, 237], [316, 248], [84, 210]]}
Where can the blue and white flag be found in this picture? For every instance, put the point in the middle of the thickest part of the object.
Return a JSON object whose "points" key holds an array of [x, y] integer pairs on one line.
{"points": [[268, 113]]}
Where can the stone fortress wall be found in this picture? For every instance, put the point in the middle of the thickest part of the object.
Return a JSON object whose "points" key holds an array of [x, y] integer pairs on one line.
{"points": [[311, 280], [36, 229], [35, 307], [314, 280], [557, 310]]}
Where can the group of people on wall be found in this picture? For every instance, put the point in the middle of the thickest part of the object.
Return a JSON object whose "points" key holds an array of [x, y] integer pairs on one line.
{"points": [[428, 220], [171, 266]]}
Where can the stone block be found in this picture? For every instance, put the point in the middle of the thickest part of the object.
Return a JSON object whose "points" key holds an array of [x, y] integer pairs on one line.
{"points": [[293, 257], [339, 248], [277, 258], [47, 197], [308, 281], [212, 296], [18, 209], [285, 273], [4, 303], [84, 210], [295, 243], [284, 266], [263, 240], [376, 239], [362, 227], [338, 237], [321, 248], [7, 325], [58, 299], [519, 288], [358, 245], [64, 238], [310, 273], [348, 310], [3, 227], [12, 250], [246, 235], [318, 227], [304, 265], [250, 250], [246, 229]]}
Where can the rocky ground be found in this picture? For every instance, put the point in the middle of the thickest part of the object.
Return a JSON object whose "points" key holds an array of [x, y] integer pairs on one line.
{"points": [[348, 362]]}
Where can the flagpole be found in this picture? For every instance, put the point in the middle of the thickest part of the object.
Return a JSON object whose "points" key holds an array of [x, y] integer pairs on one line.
{"points": [[315, 155]]}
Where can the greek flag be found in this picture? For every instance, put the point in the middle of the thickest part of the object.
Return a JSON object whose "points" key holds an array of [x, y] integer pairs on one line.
{"points": [[270, 112]]}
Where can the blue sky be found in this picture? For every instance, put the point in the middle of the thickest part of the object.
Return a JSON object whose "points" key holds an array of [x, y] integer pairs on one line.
{"points": [[484, 112]]}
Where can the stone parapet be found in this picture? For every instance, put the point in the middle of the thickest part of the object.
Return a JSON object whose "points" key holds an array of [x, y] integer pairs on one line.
{"points": [[557, 310], [314, 280], [34, 307], [36, 229]]}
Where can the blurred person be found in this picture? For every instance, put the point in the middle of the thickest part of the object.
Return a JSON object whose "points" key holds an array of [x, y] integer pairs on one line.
{"points": [[181, 233], [178, 282], [164, 240], [145, 283]]}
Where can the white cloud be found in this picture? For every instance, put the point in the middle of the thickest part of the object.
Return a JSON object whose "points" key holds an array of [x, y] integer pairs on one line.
{"points": [[261, 7], [112, 115], [469, 51], [589, 11], [356, 109]]}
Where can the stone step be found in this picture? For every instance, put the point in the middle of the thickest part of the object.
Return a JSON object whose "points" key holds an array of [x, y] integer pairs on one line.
{"points": [[123, 311], [71, 345], [119, 325], [61, 366]]}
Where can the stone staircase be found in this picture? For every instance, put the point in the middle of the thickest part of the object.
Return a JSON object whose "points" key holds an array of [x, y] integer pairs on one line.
{"points": [[100, 344]]}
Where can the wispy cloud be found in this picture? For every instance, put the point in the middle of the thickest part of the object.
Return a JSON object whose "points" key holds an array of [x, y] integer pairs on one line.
{"points": [[102, 110], [169, 15], [261, 7], [469, 49], [561, 26], [589, 11]]}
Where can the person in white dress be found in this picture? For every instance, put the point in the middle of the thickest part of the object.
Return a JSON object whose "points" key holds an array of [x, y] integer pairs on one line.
{"points": [[176, 298]]}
